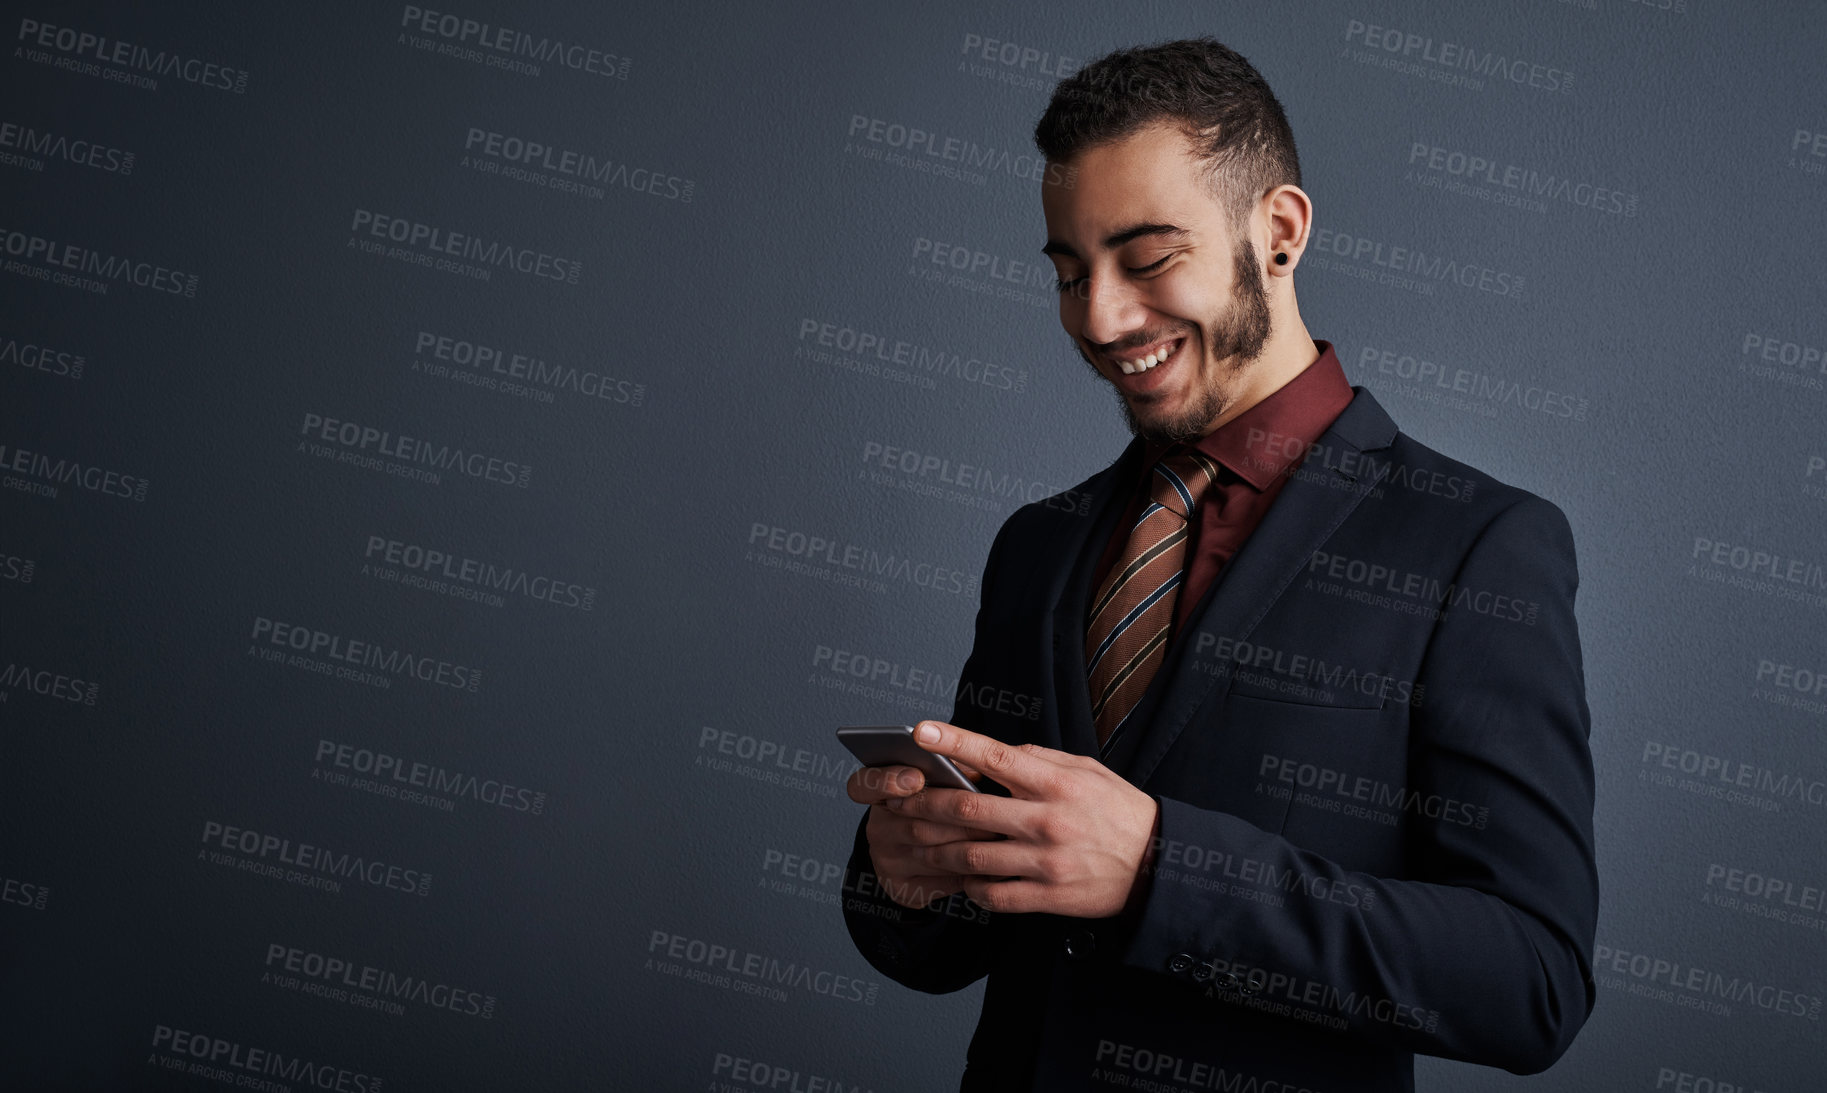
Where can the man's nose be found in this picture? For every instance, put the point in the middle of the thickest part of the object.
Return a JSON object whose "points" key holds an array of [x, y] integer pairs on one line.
{"points": [[1112, 312]]}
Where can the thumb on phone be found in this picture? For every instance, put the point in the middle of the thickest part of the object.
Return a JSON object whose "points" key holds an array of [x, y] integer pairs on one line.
{"points": [[963, 768]]}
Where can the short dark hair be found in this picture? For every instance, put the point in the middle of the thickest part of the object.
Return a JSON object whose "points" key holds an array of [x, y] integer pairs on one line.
{"points": [[1218, 99]]}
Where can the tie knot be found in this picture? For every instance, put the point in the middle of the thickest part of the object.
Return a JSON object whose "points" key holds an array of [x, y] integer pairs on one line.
{"points": [[1180, 478]]}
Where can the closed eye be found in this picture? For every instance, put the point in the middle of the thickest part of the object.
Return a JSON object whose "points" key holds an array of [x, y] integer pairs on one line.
{"points": [[1068, 286]]}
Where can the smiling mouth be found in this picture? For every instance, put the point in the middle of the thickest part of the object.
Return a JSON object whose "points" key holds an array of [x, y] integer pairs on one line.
{"points": [[1139, 371]]}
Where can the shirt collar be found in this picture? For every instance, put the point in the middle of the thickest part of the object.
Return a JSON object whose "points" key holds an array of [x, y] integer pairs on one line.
{"points": [[1262, 443]]}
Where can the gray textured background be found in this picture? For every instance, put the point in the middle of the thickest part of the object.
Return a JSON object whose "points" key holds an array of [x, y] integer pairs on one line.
{"points": [[633, 718]]}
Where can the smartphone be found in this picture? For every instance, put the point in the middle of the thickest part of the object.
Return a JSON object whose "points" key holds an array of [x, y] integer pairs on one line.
{"points": [[894, 745]]}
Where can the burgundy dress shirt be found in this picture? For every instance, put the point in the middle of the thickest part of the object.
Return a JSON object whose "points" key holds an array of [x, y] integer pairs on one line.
{"points": [[1256, 451]]}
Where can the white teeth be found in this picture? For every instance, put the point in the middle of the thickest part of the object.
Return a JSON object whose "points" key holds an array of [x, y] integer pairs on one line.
{"points": [[1130, 368]]}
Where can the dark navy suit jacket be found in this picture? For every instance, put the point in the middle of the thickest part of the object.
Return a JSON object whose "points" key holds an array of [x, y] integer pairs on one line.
{"points": [[1370, 748]]}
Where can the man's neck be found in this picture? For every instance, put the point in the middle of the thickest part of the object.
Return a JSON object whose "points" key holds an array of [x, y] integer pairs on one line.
{"points": [[1288, 353]]}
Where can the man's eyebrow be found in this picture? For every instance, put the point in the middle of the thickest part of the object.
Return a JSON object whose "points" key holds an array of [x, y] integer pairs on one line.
{"points": [[1118, 238]]}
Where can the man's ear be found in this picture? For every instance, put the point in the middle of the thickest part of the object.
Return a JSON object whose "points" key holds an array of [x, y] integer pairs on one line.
{"points": [[1289, 215]]}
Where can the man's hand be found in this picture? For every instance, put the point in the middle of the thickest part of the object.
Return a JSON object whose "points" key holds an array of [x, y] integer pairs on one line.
{"points": [[897, 843], [1069, 840]]}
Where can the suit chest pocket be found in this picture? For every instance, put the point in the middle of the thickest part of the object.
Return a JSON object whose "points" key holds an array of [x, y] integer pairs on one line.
{"points": [[1335, 771]]}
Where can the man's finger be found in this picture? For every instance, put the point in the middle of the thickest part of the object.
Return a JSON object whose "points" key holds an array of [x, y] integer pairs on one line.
{"points": [[1013, 767], [988, 811], [984, 859], [995, 894], [932, 833], [893, 833], [868, 785]]}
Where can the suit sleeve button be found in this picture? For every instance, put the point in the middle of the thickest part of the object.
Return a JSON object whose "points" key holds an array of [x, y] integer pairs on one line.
{"points": [[1080, 944], [1179, 962], [1228, 981], [1204, 971]]}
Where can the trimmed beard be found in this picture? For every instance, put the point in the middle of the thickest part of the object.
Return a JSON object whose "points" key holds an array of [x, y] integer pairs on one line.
{"points": [[1237, 335]]}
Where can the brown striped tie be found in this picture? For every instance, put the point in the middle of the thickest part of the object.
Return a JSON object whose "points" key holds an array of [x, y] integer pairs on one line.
{"points": [[1133, 612]]}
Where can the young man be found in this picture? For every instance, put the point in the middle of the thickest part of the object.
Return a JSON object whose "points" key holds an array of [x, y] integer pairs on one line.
{"points": [[1310, 789]]}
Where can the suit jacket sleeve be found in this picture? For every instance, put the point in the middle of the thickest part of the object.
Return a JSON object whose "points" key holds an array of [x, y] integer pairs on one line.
{"points": [[1480, 951], [948, 945]]}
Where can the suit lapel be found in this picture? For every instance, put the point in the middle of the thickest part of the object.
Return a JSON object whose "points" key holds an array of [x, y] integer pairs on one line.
{"points": [[1313, 503]]}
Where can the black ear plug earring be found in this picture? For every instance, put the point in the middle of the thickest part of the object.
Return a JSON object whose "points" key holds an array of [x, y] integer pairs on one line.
{"points": [[1281, 257]]}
